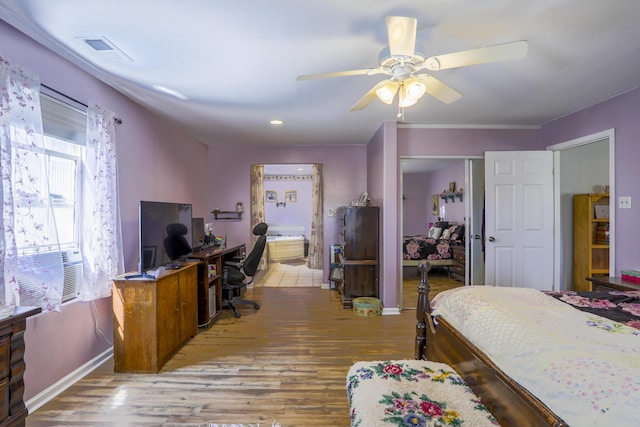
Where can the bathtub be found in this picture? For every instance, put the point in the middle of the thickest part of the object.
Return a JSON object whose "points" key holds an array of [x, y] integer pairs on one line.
{"points": [[282, 248]]}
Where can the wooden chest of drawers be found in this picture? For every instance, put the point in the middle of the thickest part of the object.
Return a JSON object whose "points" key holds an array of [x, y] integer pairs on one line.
{"points": [[459, 257]]}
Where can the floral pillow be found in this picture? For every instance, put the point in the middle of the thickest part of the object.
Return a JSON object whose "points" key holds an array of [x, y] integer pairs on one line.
{"points": [[435, 232], [447, 233]]}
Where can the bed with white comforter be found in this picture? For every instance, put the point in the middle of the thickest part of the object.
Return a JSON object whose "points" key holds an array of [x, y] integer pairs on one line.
{"points": [[584, 367]]}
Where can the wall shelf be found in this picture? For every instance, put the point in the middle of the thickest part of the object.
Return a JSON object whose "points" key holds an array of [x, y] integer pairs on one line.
{"points": [[226, 215], [451, 196]]}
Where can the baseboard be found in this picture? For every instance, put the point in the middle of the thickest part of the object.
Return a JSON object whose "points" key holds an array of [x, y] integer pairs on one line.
{"points": [[64, 383], [390, 311]]}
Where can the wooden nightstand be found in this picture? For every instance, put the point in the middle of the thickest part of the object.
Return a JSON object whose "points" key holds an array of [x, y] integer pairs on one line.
{"points": [[459, 257]]}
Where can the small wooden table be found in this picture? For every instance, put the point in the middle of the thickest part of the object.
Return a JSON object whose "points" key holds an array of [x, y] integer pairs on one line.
{"points": [[606, 283]]}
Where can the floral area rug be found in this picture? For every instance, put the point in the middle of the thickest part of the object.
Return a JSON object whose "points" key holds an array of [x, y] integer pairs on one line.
{"points": [[413, 393]]}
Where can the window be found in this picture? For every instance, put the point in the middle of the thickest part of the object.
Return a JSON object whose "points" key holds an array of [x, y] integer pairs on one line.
{"points": [[64, 145], [62, 165]]}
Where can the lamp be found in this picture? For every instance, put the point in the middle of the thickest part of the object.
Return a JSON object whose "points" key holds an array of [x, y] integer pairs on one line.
{"points": [[410, 91], [387, 92]]}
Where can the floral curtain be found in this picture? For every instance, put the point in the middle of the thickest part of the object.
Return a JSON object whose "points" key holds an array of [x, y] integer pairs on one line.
{"points": [[315, 259], [31, 263], [257, 204], [101, 233]]}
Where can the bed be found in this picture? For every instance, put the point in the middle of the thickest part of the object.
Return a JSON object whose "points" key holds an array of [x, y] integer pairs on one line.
{"points": [[435, 246], [558, 362]]}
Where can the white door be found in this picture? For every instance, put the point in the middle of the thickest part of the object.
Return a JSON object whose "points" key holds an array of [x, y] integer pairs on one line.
{"points": [[519, 219]]}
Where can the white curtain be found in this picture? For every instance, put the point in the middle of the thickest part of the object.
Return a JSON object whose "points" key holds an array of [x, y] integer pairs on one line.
{"points": [[31, 265], [101, 233], [257, 206], [315, 260]]}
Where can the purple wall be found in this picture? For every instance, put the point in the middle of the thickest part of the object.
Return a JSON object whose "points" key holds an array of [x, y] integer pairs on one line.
{"points": [[620, 113], [298, 213], [156, 161], [417, 189], [416, 203]]}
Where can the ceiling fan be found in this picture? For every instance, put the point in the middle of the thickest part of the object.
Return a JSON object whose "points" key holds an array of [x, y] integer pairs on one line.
{"points": [[405, 67]]}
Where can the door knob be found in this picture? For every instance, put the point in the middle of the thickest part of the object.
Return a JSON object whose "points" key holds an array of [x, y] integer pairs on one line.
{"points": [[492, 239], [477, 237]]}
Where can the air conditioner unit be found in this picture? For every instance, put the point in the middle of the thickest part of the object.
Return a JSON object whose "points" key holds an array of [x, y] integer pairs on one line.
{"points": [[71, 261]]}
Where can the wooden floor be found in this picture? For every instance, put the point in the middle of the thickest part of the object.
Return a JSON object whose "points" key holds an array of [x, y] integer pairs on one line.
{"points": [[286, 362]]}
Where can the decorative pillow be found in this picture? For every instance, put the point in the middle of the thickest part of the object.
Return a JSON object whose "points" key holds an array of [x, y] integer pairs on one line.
{"points": [[435, 232], [446, 234], [458, 233]]}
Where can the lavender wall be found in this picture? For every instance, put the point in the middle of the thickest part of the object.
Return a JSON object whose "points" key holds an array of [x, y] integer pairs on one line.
{"points": [[417, 190], [620, 113], [297, 213], [416, 203], [156, 161], [450, 210]]}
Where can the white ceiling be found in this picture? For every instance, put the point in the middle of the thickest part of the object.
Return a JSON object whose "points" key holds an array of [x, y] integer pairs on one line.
{"points": [[224, 69]]}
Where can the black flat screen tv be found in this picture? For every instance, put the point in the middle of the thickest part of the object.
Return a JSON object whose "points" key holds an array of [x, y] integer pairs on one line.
{"points": [[165, 233]]}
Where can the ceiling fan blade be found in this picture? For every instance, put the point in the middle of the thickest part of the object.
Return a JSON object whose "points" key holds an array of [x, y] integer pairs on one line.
{"points": [[401, 32], [483, 55], [367, 71], [368, 97], [438, 89]]}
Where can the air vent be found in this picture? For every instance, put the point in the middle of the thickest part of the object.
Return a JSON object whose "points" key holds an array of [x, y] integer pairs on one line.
{"points": [[105, 48], [98, 44]]}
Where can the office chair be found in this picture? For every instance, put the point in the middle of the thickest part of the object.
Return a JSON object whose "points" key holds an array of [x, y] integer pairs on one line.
{"points": [[235, 273], [175, 243]]}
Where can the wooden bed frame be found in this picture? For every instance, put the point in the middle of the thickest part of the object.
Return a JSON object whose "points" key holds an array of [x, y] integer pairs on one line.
{"points": [[510, 403]]}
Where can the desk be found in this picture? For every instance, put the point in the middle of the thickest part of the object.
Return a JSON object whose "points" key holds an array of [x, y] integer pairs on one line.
{"points": [[606, 283], [210, 280]]}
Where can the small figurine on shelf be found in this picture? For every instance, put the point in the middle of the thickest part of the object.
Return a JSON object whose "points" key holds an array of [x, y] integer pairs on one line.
{"points": [[239, 207]]}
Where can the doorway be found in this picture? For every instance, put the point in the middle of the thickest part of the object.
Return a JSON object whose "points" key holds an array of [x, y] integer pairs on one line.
{"points": [[423, 179], [288, 197]]}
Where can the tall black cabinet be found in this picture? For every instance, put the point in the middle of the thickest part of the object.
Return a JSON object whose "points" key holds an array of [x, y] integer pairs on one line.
{"points": [[360, 227]]}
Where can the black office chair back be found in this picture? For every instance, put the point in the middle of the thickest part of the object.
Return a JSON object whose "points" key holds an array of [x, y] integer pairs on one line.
{"points": [[175, 244], [251, 262]]}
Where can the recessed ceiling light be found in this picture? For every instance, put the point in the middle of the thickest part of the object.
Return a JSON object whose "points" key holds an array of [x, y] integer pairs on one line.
{"points": [[276, 122]]}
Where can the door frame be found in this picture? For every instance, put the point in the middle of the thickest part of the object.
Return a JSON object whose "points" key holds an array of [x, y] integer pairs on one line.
{"points": [[608, 134], [468, 197]]}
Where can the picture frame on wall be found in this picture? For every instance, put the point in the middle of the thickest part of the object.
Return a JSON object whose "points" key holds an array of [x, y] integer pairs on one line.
{"points": [[291, 196], [452, 187], [435, 200], [271, 196]]}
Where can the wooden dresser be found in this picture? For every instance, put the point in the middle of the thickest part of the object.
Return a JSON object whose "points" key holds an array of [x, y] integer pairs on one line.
{"points": [[12, 366], [360, 242], [459, 260], [153, 318]]}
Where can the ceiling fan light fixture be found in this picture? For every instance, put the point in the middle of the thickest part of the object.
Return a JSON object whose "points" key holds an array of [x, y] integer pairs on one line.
{"points": [[410, 92], [387, 92], [415, 88]]}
